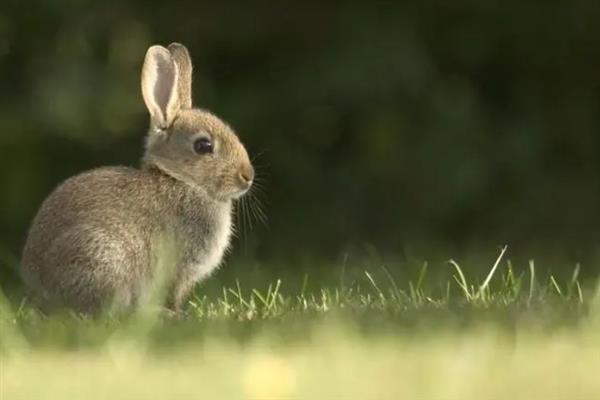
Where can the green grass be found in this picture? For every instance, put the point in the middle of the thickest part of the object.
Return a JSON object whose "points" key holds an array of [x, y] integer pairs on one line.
{"points": [[513, 335]]}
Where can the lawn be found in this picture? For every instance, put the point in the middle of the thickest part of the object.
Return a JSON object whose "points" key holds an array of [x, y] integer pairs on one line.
{"points": [[512, 335]]}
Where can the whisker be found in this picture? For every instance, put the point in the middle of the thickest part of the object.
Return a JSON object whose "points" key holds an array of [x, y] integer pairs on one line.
{"points": [[257, 199], [249, 208], [259, 214], [259, 181], [242, 218], [244, 221], [256, 206], [257, 155], [247, 212], [260, 175], [258, 190], [235, 225]]}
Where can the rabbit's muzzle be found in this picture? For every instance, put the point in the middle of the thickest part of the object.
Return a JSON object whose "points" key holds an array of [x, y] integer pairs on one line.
{"points": [[246, 174], [245, 177]]}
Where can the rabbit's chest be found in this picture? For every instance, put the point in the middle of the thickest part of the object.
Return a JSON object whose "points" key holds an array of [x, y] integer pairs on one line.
{"points": [[206, 244]]}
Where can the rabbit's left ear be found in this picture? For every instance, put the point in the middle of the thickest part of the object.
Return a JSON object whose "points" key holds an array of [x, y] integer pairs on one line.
{"points": [[160, 77], [181, 57]]}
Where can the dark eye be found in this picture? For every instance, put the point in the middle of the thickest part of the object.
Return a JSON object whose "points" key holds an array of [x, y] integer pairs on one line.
{"points": [[203, 146]]}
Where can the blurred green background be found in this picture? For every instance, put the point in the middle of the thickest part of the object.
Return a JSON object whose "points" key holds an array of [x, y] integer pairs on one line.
{"points": [[379, 128]]}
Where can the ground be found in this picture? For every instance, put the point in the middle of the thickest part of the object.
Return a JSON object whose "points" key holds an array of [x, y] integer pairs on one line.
{"points": [[510, 336]]}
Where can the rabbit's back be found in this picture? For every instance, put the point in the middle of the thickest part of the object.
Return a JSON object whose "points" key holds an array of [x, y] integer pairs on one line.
{"points": [[90, 239]]}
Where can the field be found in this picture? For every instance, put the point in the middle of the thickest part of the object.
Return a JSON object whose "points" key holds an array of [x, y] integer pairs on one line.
{"points": [[395, 146], [513, 335]]}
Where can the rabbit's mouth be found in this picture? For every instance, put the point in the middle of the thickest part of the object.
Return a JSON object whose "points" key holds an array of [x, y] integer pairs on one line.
{"points": [[242, 190]]}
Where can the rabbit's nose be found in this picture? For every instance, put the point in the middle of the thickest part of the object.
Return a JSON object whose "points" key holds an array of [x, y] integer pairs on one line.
{"points": [[247, 174]]}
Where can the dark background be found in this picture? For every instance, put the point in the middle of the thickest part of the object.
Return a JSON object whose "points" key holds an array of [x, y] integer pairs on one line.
{"points": [[382, 129]]}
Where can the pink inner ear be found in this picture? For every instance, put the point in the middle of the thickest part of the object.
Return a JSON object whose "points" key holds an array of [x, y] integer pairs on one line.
{"points": [[165, 83]]}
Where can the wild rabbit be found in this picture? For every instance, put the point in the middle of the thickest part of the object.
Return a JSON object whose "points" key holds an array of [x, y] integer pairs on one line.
{"points": [[96, 240]]}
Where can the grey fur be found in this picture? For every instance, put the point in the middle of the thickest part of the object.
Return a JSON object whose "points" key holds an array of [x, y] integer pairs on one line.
{"points": [[98, 239]]}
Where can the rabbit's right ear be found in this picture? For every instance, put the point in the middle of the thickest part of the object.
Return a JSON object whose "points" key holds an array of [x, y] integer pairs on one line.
{"points": [[160, 77], [181, 57]]}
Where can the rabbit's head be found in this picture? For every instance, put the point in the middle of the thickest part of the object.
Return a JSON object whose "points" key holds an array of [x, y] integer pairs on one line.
{"points": [[189, 144]]}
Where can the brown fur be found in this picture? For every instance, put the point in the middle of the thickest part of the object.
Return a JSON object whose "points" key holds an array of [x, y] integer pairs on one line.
{"points": [[98, 239]]}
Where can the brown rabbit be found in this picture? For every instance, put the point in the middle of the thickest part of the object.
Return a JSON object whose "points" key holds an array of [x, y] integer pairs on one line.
{"points": [[97, 239]]}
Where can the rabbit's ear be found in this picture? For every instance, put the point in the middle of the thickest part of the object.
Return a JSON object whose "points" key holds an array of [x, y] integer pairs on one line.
{"points": [[159, 86], [181, 56]]}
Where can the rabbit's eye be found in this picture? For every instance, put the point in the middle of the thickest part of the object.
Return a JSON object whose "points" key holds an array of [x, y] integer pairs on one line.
{"points": [[203, 146]]}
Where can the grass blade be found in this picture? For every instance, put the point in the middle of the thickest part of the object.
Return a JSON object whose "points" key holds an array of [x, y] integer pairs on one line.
{"points": [[491, 274]]}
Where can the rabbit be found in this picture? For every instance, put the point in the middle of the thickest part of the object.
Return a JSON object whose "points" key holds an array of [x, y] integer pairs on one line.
{"points": [[97, 240]]}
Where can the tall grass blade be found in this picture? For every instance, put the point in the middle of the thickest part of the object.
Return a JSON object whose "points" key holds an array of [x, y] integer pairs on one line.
{"points": [[462, 280], [491, 273]]}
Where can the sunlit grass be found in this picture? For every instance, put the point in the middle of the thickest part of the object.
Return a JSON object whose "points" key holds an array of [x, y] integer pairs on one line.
{"points": [[517, 335], [483, 362]]}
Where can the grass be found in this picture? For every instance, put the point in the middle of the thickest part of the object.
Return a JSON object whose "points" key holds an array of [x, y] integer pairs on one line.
{"points": [[514, 335]]}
